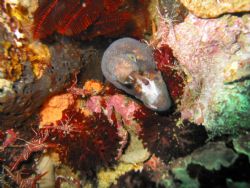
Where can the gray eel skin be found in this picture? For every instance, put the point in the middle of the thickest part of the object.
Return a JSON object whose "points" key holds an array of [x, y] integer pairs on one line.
{"points": [[129, 65]]}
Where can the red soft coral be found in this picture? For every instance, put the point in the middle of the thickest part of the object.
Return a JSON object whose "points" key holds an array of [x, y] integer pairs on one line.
{"points": [[172, 73], [163, 137], [85, 142]]}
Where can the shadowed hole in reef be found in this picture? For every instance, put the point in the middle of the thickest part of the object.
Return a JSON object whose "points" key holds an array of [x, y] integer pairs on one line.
{"points": [[162, 137], [134, 179], [239, 172]]}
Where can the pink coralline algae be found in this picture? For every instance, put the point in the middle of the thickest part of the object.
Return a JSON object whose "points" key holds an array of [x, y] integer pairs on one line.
{"points": [[214, 54], [118, 103]]}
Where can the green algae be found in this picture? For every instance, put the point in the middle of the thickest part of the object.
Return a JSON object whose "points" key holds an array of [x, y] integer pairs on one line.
{"points": [[230, 114]]}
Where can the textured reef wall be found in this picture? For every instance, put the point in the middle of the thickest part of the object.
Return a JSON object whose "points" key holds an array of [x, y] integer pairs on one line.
{"points": [[215, 55], [215, 8], [30, 71]]}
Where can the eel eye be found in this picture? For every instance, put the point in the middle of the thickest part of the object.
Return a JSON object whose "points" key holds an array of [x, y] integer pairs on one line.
{"points": [[132, 57]]}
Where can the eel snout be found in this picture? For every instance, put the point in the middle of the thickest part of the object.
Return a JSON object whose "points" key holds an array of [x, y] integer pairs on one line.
{"points": [[152, 90], [129, 65]]}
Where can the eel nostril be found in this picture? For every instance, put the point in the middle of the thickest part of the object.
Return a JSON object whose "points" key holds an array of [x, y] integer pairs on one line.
{"points": [[145, 81]]}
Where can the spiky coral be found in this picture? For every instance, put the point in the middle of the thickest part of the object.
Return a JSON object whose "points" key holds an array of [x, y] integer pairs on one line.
{"points": [[97, 140], [172, 73], [165, 138]]}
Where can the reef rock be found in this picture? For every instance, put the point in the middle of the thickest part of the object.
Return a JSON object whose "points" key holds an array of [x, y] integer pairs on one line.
{"points": [[20, 98], [209, 159], [30, 71], [214, 8], [25, 83], [215, 54]]}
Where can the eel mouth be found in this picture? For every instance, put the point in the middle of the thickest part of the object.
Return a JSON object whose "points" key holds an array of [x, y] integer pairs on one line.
{"points": [[150, 88]]}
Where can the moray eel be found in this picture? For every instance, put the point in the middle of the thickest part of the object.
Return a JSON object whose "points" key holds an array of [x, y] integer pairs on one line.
{"points": [[129, 65]]}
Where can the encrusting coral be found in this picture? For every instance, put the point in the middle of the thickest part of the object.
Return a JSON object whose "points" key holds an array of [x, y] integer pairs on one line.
{"points": [[214, 160], [215, 8], [215, 54]]}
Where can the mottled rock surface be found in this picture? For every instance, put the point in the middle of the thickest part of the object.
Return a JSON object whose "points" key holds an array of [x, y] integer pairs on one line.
{"points": [[215, 54], [20, 98], [214, 8]]}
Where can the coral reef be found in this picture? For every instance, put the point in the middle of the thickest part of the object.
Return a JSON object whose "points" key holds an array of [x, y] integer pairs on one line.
{"points": [[29, 69], [215, 8], [93, 129], [64, 125], [214, 54]]}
